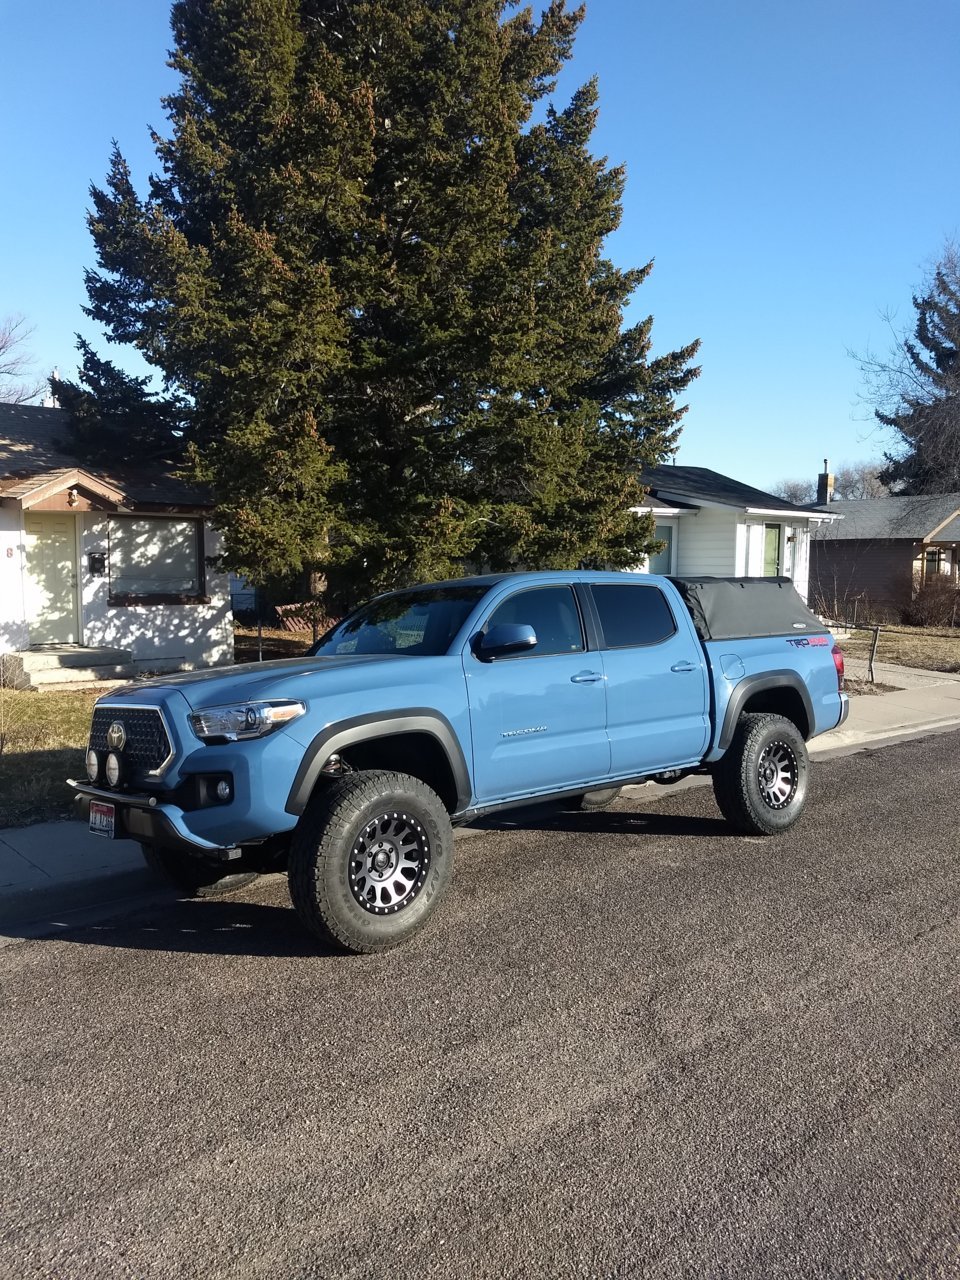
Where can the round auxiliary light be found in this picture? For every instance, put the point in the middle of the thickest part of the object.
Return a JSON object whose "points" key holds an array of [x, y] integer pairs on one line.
{"points": [[112, 769], [223, 789], [93, 765]]}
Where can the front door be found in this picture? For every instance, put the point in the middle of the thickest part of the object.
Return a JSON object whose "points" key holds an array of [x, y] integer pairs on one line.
{"points": [[51, 582], [772, 551], [538, 718]]}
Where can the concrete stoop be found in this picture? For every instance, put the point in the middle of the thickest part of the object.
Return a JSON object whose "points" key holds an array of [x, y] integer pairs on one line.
{"points": [[65, 665]]}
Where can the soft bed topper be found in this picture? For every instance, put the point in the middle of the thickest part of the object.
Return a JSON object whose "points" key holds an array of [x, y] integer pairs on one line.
{"points": [[742, 608]]}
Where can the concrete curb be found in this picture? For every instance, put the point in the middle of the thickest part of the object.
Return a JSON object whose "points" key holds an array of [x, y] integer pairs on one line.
{"points": [[44, 912], [828, 748], [32, 912]]}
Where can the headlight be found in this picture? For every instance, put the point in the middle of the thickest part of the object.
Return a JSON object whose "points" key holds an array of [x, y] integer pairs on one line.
{"points": [[93, 765], [244, 719]]}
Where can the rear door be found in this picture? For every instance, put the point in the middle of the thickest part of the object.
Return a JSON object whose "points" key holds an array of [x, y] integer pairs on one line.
{"points": [[657, 680], [538, 718]]}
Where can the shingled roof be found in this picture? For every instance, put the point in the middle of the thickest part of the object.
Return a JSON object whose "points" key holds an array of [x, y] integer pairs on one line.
{"points": [[703, 485], [919, 517], [33, 447]]}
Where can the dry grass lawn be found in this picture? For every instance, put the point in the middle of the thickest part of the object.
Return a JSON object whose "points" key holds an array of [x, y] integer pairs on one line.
{"points": [[931, 648], [42, 740], [276, 643]]}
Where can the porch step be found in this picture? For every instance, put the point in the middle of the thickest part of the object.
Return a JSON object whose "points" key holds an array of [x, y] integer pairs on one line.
{"points": [[65, 665], [79, 675], [60, 656]]}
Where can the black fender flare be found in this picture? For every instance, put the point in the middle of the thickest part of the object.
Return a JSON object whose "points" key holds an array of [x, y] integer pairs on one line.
{"points": [[342, 734], [761, 684]]}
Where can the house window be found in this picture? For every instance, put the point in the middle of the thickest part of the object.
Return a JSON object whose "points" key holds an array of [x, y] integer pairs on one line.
{"points": [[155, 561], [662, 562], [933, 561]]}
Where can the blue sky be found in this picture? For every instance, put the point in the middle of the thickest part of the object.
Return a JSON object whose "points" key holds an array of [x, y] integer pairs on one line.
{"points": [[791, 169]]}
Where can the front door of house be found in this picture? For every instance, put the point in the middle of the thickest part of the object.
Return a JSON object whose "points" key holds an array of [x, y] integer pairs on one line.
{"points": [[772, 550], [51, 581]]}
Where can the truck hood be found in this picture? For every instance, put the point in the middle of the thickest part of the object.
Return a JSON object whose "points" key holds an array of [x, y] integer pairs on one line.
{"points": [[249, 681]]}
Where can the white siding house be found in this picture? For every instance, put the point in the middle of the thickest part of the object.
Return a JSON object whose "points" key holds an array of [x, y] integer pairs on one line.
{"points": [[708, 543], [719, 527], [101, 574]]}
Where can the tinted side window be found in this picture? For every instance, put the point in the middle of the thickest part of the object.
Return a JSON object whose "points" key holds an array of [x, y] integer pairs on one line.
{"points": [[551, 611], [633, 615]]}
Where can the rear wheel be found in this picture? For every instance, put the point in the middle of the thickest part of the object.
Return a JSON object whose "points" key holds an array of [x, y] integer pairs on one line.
{"points": [[761, 783], [192, 876], [371, 860]]}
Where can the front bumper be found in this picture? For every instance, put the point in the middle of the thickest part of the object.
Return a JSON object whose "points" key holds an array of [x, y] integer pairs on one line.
{"points": [[146, 818]]}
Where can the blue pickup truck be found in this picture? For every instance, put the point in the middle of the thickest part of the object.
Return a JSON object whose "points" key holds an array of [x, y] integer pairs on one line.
{"points": [[429, 707]]}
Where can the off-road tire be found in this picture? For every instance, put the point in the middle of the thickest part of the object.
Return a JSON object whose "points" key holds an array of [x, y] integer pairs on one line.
{"points": [[331, 860], [593, 800], [193, 877], [760, 784]]}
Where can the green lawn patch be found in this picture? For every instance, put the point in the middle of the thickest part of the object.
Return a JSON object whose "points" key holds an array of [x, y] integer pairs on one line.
{"points": [[42, 740]]}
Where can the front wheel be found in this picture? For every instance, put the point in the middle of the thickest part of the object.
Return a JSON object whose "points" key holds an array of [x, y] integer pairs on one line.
{"points": [[761, 783], [371, 859]]}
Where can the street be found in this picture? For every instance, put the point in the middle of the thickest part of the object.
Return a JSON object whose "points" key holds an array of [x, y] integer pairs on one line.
{"points": [[631, 1044]]}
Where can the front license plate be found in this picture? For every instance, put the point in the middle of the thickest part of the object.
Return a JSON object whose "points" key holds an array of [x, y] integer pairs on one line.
{"points": [[102, 818]]}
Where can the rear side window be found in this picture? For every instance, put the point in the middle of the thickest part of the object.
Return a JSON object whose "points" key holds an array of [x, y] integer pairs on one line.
{"points": [[553, 614], [633, 615]]}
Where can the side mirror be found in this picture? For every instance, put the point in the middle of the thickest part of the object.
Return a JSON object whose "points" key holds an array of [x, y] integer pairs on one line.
{"points": [[508, 637]]}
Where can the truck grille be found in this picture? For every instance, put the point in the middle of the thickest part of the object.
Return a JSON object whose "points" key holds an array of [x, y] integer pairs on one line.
{"points": [[147, 748]]}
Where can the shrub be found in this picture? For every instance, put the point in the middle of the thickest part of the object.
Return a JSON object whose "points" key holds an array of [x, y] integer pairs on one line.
{"points": [[936, 603]]}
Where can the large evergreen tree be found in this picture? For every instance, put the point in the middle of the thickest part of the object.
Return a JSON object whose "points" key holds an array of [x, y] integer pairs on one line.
{"points": [[383, 293], [917, 390], [115, 420]]}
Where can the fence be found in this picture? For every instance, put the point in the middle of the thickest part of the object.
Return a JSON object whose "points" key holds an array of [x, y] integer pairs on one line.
{"points": [[869, 652]]}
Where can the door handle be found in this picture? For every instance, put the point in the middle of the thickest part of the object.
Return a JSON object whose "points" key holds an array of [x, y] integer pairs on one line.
{"points": [[684, 666], [587, 677]]}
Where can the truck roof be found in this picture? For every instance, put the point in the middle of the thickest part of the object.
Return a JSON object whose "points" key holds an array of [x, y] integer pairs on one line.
{"points": [[534, 576]]}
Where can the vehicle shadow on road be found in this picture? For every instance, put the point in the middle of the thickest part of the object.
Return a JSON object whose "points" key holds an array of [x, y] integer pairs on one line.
{"points": [[611, 822], [216, 927]]}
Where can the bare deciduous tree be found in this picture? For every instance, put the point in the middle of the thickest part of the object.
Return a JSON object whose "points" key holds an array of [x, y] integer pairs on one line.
{"points": [[852, 480], [859, 480], [17, 383], [799, 492]]}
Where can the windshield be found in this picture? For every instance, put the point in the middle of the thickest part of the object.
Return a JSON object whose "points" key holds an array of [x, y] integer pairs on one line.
{"points": [[421, 622]]}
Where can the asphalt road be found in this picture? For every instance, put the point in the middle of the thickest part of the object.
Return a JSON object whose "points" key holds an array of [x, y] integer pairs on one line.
{"points": [[631, 1045]]}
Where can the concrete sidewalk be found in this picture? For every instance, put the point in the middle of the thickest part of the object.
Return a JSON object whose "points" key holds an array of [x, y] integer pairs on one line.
{"points": [[884, 717], [59, 867], [56, 867]]}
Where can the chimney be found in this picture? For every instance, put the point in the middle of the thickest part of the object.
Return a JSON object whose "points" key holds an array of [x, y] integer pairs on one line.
{"points": [[50, 401], [824, 485]]}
